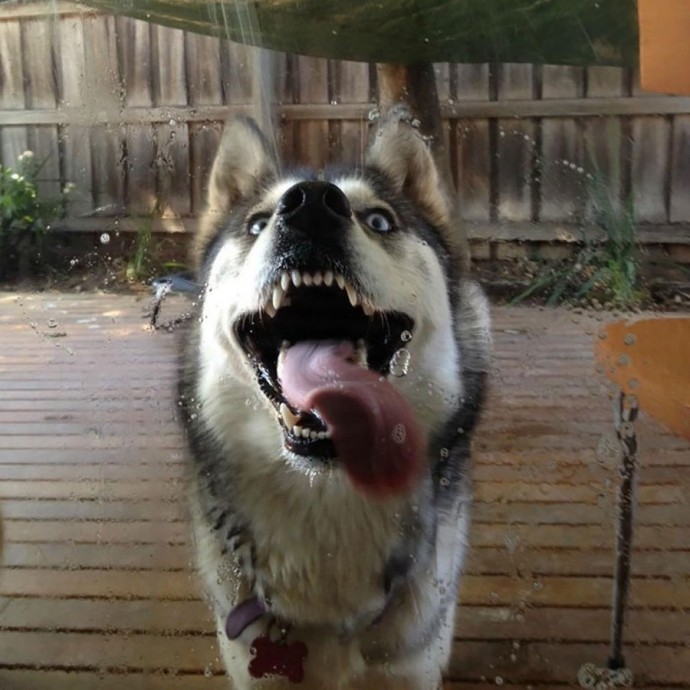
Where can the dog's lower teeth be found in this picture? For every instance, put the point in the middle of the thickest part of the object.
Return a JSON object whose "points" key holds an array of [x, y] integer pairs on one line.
{"points": [[309, 434]]}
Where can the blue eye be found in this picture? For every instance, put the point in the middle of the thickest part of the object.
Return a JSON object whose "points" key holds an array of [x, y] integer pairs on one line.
{"points": [[379, 221], [257, 224]]}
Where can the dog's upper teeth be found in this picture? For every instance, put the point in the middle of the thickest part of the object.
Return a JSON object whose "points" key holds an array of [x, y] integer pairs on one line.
{"points": [[328, 278], [307, 278], [318, 278], [351, 294], [340, 281], [285, 280], [277, 298], [296, 278], [270, 309], [368, 307]]}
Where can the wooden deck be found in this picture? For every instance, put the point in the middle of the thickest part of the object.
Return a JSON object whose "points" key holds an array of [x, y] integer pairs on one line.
{"points": [[97, 591]]}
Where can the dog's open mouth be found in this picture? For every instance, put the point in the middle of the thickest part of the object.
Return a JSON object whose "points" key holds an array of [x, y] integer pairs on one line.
{"points": [[321, 354]]}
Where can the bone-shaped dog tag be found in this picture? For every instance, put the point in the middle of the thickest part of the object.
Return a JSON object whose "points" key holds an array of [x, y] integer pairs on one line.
{"points": [[277, 657]]}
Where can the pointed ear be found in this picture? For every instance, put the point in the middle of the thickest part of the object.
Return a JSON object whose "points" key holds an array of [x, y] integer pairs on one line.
{"points": [[399, 151], [243, 163]]}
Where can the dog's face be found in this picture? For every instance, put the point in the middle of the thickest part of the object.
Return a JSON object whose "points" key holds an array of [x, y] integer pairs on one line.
{"points": [[329, 297]]}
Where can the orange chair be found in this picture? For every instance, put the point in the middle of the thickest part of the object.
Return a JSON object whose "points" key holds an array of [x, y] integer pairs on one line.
{"points": [[649, 361]]}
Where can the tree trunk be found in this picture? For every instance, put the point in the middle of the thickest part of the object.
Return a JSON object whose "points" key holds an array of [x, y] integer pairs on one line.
{"points": [[415, 85]]}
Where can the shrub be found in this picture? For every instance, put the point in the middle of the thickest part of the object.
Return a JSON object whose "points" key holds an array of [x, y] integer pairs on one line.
{"points": [[25, 217]]}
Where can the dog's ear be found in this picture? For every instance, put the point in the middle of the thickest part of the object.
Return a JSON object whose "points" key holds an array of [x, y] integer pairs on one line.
{"points": [[401, 154], [243, 163]]}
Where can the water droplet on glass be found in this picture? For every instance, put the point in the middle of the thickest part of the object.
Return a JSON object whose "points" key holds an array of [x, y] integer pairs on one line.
{"points": [[52, 323], [624, 360], [406, 336], [208, 671], [105, 238], [498, 680], [608, 450], [399, 433], [630, 339], [400, 362]]}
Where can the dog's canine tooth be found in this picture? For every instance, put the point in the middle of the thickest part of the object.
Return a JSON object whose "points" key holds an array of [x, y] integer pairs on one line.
{"points": [[270, 309], [351, 294], [368, 307], [340, 281], [307, 278], [328, 278], [285, 280], [318, 278], [296, 278], [297, 430], [289, 417], [277, 298]]}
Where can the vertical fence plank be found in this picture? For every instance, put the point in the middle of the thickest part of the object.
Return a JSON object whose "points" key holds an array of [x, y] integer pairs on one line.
{"points": [[515, 146], [603, 140], [172, 137], [75, 139], [651, 137], [135, 66], [38, 42], [352, 86], [13, 140], [680, 171], [473, 150], [236, 73], [445, 82], [204, 87], [286, 68], [562, 176], [104, 93], [312, 135]]}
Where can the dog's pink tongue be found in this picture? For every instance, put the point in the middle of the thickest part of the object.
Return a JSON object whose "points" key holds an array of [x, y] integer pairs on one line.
{"points": [[372, 427]]}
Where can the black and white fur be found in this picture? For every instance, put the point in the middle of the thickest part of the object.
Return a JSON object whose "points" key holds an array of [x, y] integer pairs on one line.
{"points": [[369, 585]]}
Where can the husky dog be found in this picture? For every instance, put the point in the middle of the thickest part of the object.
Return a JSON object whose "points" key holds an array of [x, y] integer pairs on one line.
{"points": [[329, 387]]}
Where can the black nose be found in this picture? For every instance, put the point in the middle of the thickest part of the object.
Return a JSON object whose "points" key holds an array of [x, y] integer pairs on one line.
{"points": [[313, 199]]}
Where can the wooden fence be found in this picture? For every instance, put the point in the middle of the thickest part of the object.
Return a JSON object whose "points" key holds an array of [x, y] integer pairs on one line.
{"points": [[131, 113]]}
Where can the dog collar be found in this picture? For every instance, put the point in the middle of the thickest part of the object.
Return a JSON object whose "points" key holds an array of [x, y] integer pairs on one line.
{"points": [[242, 616]]}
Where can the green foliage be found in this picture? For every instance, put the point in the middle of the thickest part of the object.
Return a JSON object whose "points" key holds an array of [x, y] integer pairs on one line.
{"points": [[138, 267], [25, 217], [605, 267]]}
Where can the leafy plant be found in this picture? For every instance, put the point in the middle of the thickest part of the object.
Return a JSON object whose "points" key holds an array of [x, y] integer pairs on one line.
{"points": [[138, 266], [24, 216], [605, 267]]}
